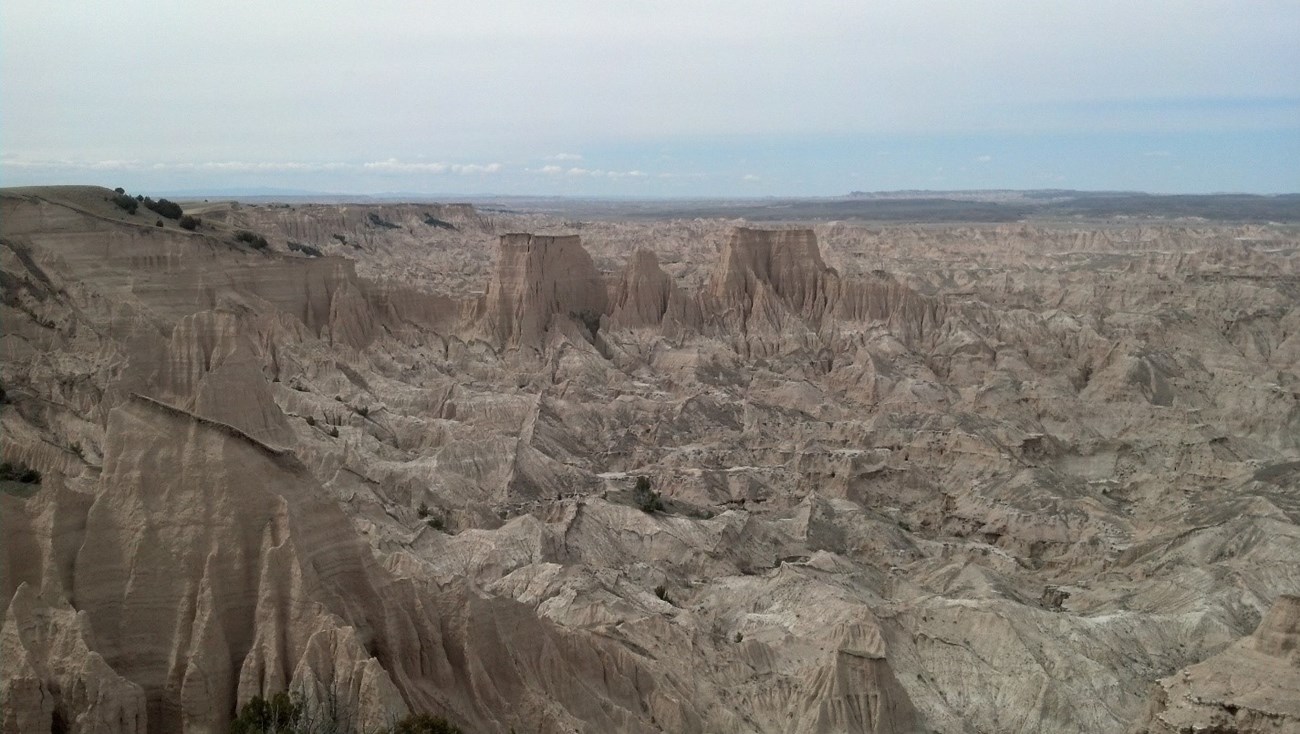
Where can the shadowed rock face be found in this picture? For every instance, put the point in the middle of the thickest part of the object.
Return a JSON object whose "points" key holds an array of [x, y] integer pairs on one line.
{"points": [[902, 493]]}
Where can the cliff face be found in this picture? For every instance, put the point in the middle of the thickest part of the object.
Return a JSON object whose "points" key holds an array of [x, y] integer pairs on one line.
{"points": [[539, 281], [1250, 688]]}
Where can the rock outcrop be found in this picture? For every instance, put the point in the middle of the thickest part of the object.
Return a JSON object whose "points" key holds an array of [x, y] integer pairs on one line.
{"points": [[538, 281], [1253, 687]]}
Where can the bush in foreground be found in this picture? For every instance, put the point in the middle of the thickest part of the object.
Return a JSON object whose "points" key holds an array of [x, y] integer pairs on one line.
{"points": [[190, 223]]}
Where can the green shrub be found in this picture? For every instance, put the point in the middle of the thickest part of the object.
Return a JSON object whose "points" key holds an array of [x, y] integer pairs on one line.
{"points": [[158, 223], [168, 209], [190, 223], [256, 241], [307, 250], [433, 221], [126, 203], [19, 473], [424, 724], [645, 498], [378, 221], [279, 715]]}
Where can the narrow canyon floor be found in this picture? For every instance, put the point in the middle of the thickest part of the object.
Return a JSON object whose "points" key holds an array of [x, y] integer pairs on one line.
{"points": [[1028, 477]]}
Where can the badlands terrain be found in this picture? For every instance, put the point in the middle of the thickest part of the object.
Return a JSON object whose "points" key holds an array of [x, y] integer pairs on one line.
{"points": [[1026, 476]]}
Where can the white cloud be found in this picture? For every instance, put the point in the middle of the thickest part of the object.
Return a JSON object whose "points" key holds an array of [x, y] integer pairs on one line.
{"points": [[751, 177], [983, 158], [564, 157], [392, 165]]}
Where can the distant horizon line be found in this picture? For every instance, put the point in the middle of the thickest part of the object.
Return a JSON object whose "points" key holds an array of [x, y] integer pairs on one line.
{"points": [[262, 192]]}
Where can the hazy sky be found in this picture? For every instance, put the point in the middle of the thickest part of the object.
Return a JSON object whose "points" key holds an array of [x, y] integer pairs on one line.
{"points": [[641, 98]]}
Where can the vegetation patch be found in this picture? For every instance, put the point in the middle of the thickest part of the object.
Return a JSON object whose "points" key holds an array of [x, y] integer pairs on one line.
{"points": [[646, 498], [378, 221], [256, 241], [126, 203], [19, 473], [433, 221], [190, 222], [164, 208], [307, 250], [19, 479], [285, 714]]}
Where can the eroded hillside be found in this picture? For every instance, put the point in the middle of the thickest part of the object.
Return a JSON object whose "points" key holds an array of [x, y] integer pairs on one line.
{"points": [[912, 478]]}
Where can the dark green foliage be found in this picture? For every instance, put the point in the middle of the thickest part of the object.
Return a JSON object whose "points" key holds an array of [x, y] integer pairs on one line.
{"points": [[740, 637], [126, 203], [307, 250], [19, 473], [190, 223], [378, 221], [280, 715], [311, 420], [342, 238], [119, 190], [424, 724], [168, 209], [422, 510], [158, 223], [589, 319], [334, 432], [256, 241], [433, 221], [646, 498], [363, 411]]}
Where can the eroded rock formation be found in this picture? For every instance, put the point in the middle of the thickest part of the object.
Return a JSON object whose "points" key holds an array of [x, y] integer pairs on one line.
{"points": [[903, 493]]}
